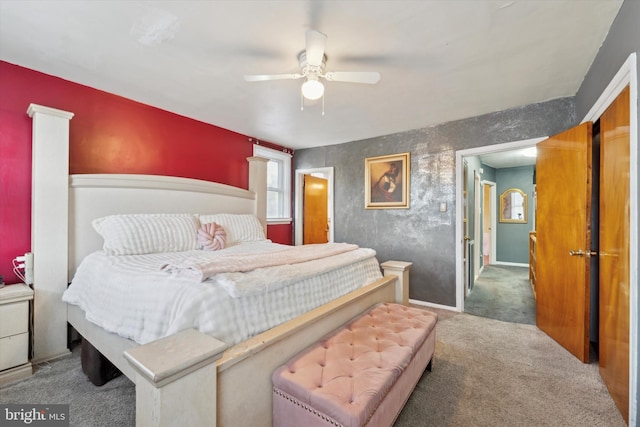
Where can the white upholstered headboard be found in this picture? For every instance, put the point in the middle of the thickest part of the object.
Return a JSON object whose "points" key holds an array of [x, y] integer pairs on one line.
{"points": [[93, 196], [63, 207]]}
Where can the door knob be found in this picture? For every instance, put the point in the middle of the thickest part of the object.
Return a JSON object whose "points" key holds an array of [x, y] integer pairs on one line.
{"points": [[580, 252]]}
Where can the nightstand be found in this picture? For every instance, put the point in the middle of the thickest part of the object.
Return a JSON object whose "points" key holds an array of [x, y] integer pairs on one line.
{"points": [[14, 332]]}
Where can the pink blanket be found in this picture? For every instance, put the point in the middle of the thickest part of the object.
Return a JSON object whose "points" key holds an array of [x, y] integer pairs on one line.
{"points": [[241, 263]]}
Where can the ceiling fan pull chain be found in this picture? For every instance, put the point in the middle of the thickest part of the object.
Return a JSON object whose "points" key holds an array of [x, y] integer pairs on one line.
{"points": [[323, 104], [301, 102]]}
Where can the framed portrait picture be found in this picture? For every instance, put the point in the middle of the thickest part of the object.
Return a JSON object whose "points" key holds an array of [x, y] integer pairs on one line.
{"points": [[386, 182]]}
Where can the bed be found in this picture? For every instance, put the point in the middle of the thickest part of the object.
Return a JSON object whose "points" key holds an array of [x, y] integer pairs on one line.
{"points": [[242, 371], [187, 378]]}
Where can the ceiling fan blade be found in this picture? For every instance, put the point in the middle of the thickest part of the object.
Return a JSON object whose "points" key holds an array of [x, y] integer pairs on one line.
{"points": [[368, 77], [265, 77], [315, 47]]}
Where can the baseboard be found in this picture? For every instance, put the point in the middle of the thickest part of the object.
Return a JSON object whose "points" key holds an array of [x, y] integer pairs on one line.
{"points": [[51, 358], [511, 264], [433, 305], [15, 374]]}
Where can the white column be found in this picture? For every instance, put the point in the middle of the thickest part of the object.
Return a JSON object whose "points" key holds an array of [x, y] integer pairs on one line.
{"points": [[400, 269], [49, 228], [176, 380]]}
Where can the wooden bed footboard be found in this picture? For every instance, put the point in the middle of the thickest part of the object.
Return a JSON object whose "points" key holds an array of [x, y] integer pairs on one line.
{"points": [[244, 371], [241, 381]]}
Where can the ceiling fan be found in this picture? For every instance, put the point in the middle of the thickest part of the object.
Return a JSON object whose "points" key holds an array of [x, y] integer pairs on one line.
{"points": [[312, 69]]}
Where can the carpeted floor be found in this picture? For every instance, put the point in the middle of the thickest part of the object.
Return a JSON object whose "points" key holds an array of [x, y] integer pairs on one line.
{"points": [[502, 293], [493, 373], [486, 373], [62, 381]]}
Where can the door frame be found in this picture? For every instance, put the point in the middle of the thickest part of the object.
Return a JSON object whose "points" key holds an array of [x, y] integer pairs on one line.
{"points": [[492, 218], [326, 173], [477, 227], [628, 75], [460, 155]]}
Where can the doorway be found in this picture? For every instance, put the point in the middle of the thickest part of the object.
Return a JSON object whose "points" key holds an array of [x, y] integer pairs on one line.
{"points": [[501, 289], [461, 158], [325, 173]]}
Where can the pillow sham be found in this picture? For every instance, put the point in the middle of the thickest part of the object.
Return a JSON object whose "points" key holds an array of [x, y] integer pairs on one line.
{"points": [[138, 234], [239, 227]]}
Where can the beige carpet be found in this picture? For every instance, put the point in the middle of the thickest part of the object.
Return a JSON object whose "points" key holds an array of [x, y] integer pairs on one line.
{"points": [[486, 373], [492, 373]]}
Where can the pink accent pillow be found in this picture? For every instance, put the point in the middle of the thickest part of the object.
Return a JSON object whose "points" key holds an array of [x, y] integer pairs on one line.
{"points": [[212, 237]]}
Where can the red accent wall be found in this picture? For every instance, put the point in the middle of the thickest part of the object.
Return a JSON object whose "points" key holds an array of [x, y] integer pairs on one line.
{"points": [[108, 134]]}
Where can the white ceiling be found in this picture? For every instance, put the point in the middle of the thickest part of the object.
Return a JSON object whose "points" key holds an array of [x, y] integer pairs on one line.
{"points": [[510, 158], [439, 60]]}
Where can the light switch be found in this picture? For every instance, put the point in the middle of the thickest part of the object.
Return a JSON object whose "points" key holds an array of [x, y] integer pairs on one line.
{"points": [[443, 206]]}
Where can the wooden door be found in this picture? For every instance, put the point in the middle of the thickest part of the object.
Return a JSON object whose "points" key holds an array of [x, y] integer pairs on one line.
{"points": [[614, 250], [563, 170], [316, 212]]}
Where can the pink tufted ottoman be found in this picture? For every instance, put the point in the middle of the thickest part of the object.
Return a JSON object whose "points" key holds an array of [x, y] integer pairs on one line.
{"points": [[361, 374]]}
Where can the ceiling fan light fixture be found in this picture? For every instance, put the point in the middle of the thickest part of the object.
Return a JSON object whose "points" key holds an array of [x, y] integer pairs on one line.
{"points": [[312, 89]]}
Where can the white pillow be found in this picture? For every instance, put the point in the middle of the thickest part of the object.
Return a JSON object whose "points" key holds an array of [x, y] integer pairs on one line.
{"points": [[239, 227], [138, 234]]}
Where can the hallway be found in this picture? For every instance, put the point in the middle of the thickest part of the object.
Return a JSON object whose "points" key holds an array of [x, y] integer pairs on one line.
{"points": [[503, 293]]}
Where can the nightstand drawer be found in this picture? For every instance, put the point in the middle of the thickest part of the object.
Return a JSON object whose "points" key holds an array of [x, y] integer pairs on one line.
{"points": [[14, 351], [14, 318]]}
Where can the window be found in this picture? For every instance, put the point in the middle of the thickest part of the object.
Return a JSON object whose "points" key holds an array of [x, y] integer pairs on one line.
{"points": [[278, 184]]}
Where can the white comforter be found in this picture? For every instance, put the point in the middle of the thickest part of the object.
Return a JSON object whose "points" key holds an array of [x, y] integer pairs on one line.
{"points": [[131, 296]]}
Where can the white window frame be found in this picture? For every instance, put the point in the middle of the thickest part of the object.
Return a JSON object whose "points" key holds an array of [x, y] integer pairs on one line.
{"points": [[285, 179]]}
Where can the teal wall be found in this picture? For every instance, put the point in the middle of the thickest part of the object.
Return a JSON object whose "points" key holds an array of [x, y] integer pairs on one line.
{"points": [[512, 239]]}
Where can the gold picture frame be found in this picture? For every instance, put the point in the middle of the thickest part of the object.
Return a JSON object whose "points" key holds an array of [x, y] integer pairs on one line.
{"points": [[386, 181], [513, 206]]}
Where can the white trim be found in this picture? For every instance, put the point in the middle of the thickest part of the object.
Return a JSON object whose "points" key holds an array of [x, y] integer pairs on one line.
{"points": [[477, 227], [285, 158], [613, 89], [512, 264], [460, 154], [298, 213], [628, 75], [54, 112], [279, 221], [493, 220], [433, 305]]}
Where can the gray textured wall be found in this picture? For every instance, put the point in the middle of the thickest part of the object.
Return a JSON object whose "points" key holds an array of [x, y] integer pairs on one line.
{"points": [[512, 239], [422, 234], [622, 40]]}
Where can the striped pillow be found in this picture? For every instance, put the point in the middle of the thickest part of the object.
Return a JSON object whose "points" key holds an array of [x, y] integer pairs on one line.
{"points": [[239, 227], [138, 234]]}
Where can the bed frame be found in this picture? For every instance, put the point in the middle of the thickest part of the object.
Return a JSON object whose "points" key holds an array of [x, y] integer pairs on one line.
{"points": [[188, 378]]}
